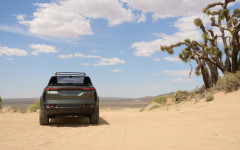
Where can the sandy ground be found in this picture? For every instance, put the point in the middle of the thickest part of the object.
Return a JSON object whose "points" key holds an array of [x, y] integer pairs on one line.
{"points": [[211, 125]]}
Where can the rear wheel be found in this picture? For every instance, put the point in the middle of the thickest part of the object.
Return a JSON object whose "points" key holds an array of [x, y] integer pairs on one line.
{"points": [[43, 119], [94, 118]]}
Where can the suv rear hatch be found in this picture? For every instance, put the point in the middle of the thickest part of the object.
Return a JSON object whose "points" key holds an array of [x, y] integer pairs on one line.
{"points": [[69, 92]]}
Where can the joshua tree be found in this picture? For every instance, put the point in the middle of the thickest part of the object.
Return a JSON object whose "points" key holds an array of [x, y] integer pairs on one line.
{"points": [[207, 53]]}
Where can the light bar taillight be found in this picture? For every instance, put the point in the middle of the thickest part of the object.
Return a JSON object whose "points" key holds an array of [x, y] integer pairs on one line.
{"points": [[88, 89], [56, 89]]}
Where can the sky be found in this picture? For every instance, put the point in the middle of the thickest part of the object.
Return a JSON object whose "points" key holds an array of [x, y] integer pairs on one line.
{"points": [[115, 42]]}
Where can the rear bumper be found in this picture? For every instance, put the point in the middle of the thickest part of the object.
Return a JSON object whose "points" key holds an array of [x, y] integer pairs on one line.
{"points": [[68, 107], [68, 111]]}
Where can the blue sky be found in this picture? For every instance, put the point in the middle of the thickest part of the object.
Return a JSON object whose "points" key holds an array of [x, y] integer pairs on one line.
{"points": [[116, 42]]}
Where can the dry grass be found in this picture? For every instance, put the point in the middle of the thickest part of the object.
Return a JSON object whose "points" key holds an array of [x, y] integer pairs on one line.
{"points": [[34, 107], [229, 82]]}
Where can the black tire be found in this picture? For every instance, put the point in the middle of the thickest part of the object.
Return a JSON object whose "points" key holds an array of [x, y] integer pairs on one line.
{"points": [[94, 118], [43, 119]]}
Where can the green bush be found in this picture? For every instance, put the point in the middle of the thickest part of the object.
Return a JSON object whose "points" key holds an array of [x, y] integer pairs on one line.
{"points": [[209, 97], [160, 100], [229, 82], [34, 107]]}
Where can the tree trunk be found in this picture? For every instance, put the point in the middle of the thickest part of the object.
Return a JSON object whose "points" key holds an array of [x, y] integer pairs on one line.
{"points": [[214, 72], [235, 44], [205, 75]]}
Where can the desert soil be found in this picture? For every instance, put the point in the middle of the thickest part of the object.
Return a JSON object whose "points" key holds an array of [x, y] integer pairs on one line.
{"points": [[204, 125]]}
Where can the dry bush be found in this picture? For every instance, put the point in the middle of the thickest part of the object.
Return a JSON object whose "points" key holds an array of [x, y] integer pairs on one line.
{"points": [[152, 106], [229, 82], [160, 100], [156, 102], [183, 96], [199, 90], [141, 109], [34, 107], [209, 97]]}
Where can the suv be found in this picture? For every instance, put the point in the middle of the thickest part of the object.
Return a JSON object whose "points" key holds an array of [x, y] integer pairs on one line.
{"points": [[69, 93]]}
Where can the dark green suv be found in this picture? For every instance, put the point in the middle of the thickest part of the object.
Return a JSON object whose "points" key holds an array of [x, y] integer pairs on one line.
{"points": [[69, 93]]}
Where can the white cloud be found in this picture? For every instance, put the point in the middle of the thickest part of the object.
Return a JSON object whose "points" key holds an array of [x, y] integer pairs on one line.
{"points": [[57, 21], [176, 72], [65, 56], [174, 59], [100, 62], [12, 51], [109, 61], [21, 17], [71, 18], [86, 56], [182, 80], [85, 64], [117, 70], [42, 48], [142, 18], [18, 30], [169, 8], [186, 29], [146, 48]]}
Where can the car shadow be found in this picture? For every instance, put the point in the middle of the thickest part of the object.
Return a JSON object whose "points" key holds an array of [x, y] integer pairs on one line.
{"points": [[74, 122]]}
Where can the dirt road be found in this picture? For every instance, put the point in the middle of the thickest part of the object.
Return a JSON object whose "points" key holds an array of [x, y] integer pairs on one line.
{"points": [[211, 125]]}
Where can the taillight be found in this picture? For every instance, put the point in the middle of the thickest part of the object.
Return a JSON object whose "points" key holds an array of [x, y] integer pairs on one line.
{"points": [[52, 106], [56, 89], [87, 105], [52, 89], [88, 89]]}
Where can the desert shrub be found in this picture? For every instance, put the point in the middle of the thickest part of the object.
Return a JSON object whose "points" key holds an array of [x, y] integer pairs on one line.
{"points": [[33, 107], [237, 74], [199, 90], [182, 95], [141, 109], [22, 110], [160, 100], [152, 106], [209, 97], [156, 102], [13, 109], [229, 82]]}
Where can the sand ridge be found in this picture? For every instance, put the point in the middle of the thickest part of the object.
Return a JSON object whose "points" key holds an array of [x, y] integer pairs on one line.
{"points": [[204, 125]]}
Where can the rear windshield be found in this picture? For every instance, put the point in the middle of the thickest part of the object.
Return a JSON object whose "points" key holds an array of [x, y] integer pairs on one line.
{"points": [[69, 80]]}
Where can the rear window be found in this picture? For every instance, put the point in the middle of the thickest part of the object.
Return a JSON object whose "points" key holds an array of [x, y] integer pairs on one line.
{"points": [[69, 80]]}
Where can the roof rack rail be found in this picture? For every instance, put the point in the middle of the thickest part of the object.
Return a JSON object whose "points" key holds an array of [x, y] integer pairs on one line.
{"points": [[69, 73]]}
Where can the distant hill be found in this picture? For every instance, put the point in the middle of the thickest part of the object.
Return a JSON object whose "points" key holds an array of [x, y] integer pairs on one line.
{"points": [[19, 103], [104, 101]]}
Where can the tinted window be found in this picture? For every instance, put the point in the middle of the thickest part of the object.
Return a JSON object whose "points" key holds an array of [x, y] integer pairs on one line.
{"points": [[69, 80], [74, 80]]}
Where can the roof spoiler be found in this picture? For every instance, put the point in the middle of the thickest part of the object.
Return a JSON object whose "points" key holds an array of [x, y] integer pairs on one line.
{"points": [[70, 73]]}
